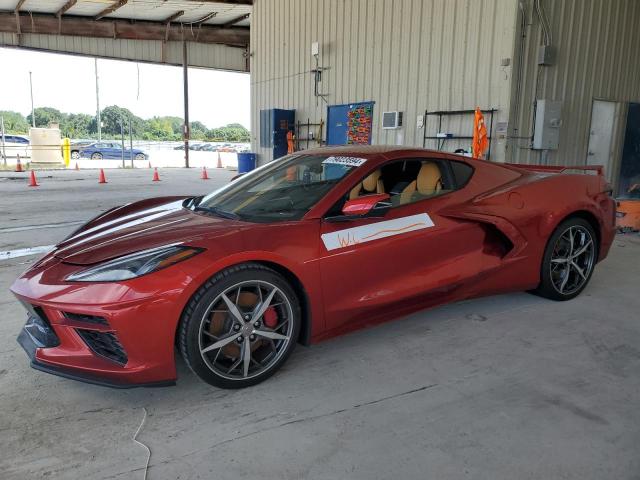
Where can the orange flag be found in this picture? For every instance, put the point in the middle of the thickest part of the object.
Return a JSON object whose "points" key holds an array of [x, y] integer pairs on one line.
{"points": [[480, 140]]}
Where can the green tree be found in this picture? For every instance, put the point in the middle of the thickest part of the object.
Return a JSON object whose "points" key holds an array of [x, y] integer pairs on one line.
{"points": [[199, 130], [45, 116], [113, 116], [79, 125], [14, 122]]}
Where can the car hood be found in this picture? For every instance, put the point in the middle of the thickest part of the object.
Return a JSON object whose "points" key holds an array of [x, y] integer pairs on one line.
{"points": [[139, 226]]}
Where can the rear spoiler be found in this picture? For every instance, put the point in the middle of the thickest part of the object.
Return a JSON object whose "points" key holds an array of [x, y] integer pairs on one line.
{"points": [[599, 169]]}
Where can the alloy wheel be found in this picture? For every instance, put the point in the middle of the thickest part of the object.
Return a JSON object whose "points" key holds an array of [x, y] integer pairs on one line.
{"points": [[246, 330], [572, 260]]}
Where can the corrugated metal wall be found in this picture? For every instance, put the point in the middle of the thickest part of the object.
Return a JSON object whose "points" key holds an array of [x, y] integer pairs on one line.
{"points": [[219, 57], [597, 57], [405, 55]]}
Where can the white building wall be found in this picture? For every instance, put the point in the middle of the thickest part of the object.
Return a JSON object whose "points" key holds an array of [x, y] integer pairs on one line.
{"points": [[405, 55], [597, 44], [220, 57]]}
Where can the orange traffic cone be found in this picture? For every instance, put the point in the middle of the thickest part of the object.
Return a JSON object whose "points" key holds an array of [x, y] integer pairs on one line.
{"points": [[204, 175], [102, 178], [32, 180], [19, 165], [156, 177], [219, 161], [77, 168]]}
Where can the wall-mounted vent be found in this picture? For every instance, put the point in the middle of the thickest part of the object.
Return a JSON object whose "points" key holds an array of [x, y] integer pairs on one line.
{"points": [[391, 120]]}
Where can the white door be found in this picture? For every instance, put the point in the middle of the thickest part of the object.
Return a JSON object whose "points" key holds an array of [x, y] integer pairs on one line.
{"points": [[603, 118]]}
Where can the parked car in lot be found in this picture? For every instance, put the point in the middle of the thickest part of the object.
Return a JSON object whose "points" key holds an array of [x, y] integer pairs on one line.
{"points": [[108, 150], [304, 248], [77, 146], [15, 145]]}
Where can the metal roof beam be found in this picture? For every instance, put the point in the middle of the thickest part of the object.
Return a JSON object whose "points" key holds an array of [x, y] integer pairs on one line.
{"points": [[66, 7], [174, 17], [231, 2], [19, 5], [110, 9], [233, 21], [200, 21], [50, 24]]}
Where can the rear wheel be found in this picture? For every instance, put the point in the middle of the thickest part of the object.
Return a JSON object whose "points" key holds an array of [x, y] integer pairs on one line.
{"points": [[569, 260], [75, 155], [240, 327], [140, 156], [96, 156]]}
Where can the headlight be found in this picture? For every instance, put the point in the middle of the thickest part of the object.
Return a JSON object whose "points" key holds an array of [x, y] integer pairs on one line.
{"points": [[135, 265]]}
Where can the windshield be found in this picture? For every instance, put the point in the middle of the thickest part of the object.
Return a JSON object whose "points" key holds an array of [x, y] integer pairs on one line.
{"points": [[282, 190]]}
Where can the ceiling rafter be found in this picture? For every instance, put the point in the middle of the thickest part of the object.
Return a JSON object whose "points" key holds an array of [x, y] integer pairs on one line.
{"points": [[174, 17], [110, 9], [200, 21], [50, 24], [231, 2], [233, 21], [66, 7]]}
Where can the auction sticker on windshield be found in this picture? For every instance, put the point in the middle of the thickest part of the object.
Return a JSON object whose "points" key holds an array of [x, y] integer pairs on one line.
{"points": [[348, 161]]}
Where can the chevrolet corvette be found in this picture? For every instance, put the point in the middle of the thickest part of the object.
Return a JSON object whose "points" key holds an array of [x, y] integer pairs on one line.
{"points": [[310, 246]]}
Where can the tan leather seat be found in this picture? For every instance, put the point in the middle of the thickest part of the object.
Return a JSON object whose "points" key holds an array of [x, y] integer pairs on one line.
{"points": [[372, 184], [428, 182]]}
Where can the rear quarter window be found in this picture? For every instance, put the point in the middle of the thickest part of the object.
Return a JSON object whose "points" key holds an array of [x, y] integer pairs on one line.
{"points": [[462, 173]]}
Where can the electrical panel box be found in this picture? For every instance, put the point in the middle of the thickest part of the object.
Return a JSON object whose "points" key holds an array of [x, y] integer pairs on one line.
{"points": [[546, 135], [546, 55]]}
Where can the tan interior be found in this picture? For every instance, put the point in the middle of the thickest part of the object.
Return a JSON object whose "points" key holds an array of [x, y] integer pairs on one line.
{"points": [[371, 184], [428, 182]]}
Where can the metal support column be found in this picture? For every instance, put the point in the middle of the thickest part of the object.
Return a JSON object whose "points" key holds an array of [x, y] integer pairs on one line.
{"points": [[186, 128], [98, 118]]}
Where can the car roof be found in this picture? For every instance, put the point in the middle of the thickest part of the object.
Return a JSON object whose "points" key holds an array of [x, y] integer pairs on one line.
{"points": [[373, 150]]}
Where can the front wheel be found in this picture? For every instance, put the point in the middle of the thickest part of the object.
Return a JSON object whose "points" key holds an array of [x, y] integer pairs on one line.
{"points": [[96, 156], [569, 260], [75, 155], [140, 157], [240, 327]]}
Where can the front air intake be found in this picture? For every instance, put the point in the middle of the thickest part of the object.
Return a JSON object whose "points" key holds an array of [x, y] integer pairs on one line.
{"points": [[79, 317], [104, 344]]}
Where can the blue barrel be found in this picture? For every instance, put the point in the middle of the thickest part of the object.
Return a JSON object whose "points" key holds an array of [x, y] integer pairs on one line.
{"points": [[246, 162]]}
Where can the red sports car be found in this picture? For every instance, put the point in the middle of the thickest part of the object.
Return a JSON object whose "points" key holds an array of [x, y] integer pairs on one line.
{"points": [[304, 248]]}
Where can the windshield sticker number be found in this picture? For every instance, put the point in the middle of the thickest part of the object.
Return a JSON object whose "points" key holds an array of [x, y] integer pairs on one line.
{"points": [[374, 231], [347, 161]]}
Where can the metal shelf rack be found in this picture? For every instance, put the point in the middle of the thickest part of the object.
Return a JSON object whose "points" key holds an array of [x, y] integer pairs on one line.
{"points": [[446, 113]]}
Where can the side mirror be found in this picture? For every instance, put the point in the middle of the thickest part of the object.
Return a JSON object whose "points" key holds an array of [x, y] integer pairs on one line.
{"points": [[366, 205]]}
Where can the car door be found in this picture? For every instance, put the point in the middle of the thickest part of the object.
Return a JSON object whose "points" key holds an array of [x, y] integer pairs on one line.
{"points": [[413, 255], [114, 151]]}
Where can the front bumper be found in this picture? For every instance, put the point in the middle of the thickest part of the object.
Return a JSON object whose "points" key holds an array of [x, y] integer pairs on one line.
{"points": [[31, 344], [112, 334]]}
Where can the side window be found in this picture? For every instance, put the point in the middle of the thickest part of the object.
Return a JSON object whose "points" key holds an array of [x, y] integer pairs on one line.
{"points": [[409, 181], [461, 173]]}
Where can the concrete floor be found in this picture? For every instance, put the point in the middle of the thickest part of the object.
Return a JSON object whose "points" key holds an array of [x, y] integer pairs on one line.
{"points": [[508, 387]]}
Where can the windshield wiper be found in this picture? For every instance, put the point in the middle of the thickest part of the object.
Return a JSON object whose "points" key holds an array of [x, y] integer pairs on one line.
{"points": [[217, 211]]}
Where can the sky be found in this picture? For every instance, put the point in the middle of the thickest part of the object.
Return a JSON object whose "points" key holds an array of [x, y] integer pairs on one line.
{"points": [[67, 82]]}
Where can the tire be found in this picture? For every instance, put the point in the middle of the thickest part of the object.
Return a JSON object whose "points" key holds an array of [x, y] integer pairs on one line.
{"points": [[75, 155], [565, 271], [140, 157], [96, 156], [214, 341]]}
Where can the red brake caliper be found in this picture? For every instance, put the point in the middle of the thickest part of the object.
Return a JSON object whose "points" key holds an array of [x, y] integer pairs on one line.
{"points": [[270, 318]]}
